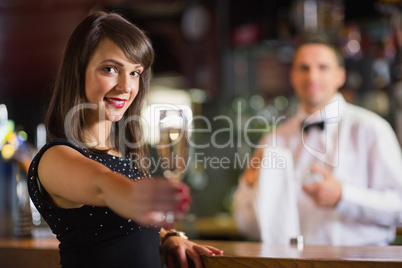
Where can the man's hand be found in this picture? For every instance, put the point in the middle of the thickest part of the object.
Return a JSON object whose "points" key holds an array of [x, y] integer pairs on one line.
{"points": [[327, 192]]}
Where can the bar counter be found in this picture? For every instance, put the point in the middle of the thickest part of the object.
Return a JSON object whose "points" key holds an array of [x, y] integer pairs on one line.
{"points": [[253, 254], [43, 252]]}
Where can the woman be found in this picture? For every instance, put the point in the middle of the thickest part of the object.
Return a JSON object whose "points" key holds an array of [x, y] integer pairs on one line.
{"points": [[79, 180]]}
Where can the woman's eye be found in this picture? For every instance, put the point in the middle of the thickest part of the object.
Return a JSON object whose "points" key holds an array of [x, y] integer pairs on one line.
{"points": [[110, 70], [136, 74]]}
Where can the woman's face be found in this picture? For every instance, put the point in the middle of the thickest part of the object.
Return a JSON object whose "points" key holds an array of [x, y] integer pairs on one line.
{"points": [[111, 82]]}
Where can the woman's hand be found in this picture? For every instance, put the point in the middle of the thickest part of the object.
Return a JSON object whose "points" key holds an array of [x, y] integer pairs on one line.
{"points": [[154, 198], [147, 201], [176, 250]]}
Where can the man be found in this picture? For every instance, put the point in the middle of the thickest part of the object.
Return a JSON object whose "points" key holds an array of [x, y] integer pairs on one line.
{"points": [[348, 174]]}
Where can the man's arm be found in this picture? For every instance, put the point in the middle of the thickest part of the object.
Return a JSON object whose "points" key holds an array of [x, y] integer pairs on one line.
{"points": [[381, 201], [244, 209], [245, 199]]}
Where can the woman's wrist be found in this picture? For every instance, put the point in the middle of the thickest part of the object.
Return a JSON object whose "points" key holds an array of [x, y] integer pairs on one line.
{"points": [[170, 233]]}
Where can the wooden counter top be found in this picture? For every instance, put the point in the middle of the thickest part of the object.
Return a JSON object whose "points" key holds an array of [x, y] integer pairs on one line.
{"points": [[252, 254], [44, 253], [33, 253]]}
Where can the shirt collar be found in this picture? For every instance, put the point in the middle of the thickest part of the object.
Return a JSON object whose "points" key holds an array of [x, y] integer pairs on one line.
{"points": [[332, 112]]}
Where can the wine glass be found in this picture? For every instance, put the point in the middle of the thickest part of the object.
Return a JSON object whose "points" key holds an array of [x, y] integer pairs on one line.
{"points": [[173, 146]]}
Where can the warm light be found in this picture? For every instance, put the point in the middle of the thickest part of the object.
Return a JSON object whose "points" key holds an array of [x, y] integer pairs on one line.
{"points": [[173, 135], [7, 151]]}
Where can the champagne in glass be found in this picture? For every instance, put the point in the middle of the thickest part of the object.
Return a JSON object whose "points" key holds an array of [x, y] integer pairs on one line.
{"points": [[173, 146]]}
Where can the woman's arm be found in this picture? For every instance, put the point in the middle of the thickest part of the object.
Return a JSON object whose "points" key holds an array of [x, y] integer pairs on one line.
{"points": [[72, 180]]}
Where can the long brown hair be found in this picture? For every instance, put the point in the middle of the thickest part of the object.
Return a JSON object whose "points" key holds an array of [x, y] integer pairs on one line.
{"points": [[69, 89]]}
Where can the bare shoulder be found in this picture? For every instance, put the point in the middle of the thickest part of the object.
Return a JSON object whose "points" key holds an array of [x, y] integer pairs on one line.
{"points": [[59, 156], [60, 149], [68, 176]]}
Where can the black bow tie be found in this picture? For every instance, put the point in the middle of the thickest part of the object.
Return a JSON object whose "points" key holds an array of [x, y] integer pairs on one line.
{"points": [[306, 127]]}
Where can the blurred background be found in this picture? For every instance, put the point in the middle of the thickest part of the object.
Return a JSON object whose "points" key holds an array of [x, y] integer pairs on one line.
{"points": [[224, 58]]}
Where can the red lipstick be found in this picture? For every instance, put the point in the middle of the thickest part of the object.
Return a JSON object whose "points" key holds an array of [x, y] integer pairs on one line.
{"points": [[116, 102]]}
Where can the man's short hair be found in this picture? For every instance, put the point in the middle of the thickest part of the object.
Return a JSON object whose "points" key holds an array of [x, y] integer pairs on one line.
{"points": [[321, 39]]}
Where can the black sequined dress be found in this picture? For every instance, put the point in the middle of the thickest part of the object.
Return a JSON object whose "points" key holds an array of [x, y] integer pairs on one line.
{"points": [[95, 236]]}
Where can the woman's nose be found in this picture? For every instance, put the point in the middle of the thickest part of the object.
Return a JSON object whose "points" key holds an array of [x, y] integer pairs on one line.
{"points": [[124, 83]]}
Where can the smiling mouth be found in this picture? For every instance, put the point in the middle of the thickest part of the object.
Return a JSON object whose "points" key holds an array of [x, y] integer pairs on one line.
{"points": [[115, 102]]}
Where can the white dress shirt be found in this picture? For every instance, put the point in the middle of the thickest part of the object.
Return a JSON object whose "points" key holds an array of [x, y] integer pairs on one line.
{"points": [[362, 151]]}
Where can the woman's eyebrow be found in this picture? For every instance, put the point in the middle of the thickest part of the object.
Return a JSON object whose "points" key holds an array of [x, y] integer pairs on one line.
{"points": [[114, 61], [119, 63]]}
